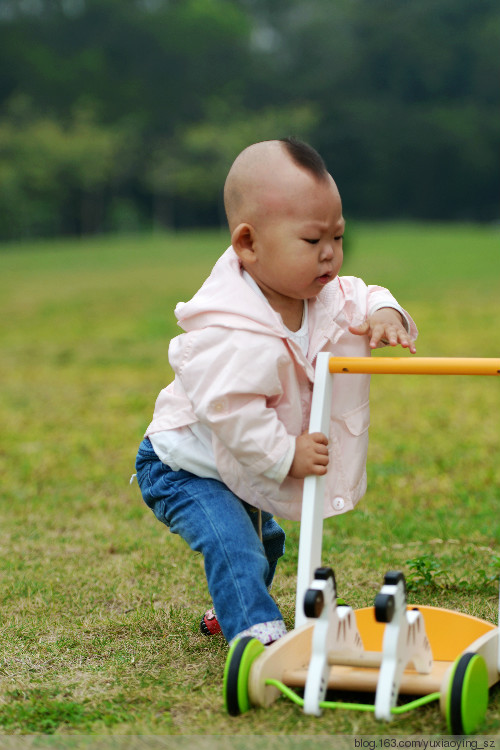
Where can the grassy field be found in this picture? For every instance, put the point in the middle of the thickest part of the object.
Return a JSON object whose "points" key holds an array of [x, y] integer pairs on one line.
{"points": [[99, 605]]}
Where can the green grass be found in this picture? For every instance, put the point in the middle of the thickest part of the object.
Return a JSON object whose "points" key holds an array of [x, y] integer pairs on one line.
{"points": [[100, 605]]}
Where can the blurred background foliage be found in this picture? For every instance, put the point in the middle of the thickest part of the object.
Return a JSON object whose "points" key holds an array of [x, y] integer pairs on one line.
{"points": [[124, 115]]}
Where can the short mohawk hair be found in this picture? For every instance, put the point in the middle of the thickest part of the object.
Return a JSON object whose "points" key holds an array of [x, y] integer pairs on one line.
{"points": [[305, 156]]}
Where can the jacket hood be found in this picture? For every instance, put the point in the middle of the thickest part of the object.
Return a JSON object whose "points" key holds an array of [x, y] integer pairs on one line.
{"points": [[226, 300]]}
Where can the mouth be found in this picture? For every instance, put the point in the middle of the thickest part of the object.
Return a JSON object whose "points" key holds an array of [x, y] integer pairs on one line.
{"points": [[325, 278]]}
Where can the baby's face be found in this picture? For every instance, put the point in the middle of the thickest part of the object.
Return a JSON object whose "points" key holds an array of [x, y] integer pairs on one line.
{"points": [[298, 242]]}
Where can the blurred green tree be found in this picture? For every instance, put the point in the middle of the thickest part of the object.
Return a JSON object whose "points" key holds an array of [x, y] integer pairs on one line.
{"points": [[401, 98], [53, 177], [194, 163]]}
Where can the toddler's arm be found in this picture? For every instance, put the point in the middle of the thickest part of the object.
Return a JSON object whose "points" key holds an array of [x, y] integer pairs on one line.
{"points": [[385, 326], [311, 455]]}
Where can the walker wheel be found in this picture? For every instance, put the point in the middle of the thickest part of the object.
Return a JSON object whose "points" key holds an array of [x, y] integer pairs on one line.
{"points": [[237, 672], [384, 607], [313, 603], [323, 574], [393, 577], [467, 696]]}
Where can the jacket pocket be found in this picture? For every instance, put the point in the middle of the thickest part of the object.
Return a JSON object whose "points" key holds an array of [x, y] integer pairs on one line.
{"points": [[357, 420], [348, 453]]}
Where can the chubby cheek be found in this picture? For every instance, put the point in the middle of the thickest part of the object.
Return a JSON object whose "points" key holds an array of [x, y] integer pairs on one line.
{"points": [[337, 261]]}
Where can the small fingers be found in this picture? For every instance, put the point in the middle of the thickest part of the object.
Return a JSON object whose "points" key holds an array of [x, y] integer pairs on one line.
{"points": [[321, 457], [319, 438], [404, 340], [391, 336], [380, 334], [319, 465]]}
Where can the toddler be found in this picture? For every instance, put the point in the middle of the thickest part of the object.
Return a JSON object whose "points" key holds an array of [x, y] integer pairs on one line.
{"points": [[228, 446]]}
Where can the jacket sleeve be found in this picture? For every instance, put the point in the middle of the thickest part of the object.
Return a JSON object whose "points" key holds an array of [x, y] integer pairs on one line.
{"points": [[231, 380]]}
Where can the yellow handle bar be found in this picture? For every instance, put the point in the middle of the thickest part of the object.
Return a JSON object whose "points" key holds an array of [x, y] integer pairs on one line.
{"points": [[416, 365]]}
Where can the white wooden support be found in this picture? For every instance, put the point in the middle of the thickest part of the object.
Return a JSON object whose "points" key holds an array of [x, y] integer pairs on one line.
{"points": [[405, 641], [335, 630], [311, 524]]}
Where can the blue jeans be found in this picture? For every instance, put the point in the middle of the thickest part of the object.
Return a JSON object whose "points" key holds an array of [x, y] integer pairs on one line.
{"points": [[213, 521]]}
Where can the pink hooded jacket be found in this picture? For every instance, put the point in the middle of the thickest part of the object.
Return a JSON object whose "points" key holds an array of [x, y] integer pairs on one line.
{"points": [[237, 372]]}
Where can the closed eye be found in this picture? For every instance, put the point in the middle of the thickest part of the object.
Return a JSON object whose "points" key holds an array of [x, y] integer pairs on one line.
{"points": [[311, 241]]}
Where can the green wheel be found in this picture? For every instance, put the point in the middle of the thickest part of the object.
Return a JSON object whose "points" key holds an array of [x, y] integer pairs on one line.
{"points": [[467, 697], [237, 672]]}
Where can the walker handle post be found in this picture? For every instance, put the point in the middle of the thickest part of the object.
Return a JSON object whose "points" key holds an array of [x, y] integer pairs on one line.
{"points": [[311, 527]]}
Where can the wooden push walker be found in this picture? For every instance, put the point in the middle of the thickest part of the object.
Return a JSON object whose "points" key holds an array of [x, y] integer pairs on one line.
{"points": [[390, 648]]}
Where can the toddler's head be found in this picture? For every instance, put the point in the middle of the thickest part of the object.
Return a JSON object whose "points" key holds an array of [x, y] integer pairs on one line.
{"points": [[285, 217]]}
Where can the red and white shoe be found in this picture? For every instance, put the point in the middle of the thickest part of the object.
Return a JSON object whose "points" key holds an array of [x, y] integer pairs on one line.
{"points": [[209, 624]]}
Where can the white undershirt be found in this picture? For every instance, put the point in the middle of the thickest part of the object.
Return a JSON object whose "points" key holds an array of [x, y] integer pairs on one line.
{"points": [[190, 447]]}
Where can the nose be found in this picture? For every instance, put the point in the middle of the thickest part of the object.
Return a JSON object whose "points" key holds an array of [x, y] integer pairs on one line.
{"points": [[327, 252]]}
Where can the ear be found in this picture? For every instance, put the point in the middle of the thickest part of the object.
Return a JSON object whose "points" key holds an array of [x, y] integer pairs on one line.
{"points": [[243, 240]]}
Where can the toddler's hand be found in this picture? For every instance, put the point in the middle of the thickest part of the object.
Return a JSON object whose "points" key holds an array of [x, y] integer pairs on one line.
{"points": [[311, 455], [385, 326]]}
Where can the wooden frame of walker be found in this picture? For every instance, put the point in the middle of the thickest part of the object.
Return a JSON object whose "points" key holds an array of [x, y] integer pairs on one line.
{"points": [[408, 650]]}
